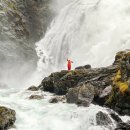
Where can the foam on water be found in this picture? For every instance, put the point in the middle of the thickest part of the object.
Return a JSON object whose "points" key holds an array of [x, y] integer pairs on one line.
{"points": [[41, 115]]}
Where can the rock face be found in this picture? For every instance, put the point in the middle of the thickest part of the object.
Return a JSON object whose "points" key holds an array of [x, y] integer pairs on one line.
{"points": [[60, 82], [7, 118], [109, 86], [24, 20], [22, 24], [82, 86], [119, 100]]}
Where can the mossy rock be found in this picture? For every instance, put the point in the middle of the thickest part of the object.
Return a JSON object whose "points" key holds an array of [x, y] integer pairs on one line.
{"points": [[7, 118]]}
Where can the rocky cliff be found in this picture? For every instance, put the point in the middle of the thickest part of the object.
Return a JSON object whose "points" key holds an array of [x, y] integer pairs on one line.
{"points": [[107, 86], [24, 20], [22, 23]]}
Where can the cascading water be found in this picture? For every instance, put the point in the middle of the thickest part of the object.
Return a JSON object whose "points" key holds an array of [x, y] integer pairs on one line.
{"points": [[41, 115], [88, 32]]}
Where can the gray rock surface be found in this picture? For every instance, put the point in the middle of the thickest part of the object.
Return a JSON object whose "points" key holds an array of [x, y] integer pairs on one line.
{"points": [[82, 95], [36, 97], [57, 99], [103, 119], [24, 20], [33, 88], [7, 118]]}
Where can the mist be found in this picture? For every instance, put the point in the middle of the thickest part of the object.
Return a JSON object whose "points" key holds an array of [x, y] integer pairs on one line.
{"points": [[57, 5], [86, 32], [18, 63]]}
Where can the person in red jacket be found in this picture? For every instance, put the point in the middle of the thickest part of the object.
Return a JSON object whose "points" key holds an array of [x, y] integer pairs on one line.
{"points": [[69, 62]]}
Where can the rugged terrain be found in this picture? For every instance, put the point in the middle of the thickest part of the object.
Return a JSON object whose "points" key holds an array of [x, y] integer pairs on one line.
{"points": [[22, 24], [107, 86], [24, 20]]}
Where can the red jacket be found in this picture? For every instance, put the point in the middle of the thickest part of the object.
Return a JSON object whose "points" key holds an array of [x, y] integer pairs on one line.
{"points": [[69, 64]]}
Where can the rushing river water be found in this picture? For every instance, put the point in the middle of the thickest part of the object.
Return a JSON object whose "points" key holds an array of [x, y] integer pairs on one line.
{"points": [[41, 115]]}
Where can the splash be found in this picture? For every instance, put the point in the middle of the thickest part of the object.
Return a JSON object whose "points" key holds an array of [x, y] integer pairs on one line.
{"points": [[39, 115]]}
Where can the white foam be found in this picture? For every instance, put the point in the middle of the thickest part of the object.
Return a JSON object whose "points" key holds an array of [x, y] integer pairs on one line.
{"points": [[41, 115]]}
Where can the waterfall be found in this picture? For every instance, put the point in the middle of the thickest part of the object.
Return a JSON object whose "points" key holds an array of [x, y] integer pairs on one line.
{"points": [[86, 31]]}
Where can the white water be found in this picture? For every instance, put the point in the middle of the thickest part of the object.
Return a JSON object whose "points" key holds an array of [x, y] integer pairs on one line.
{"points": [[88, 32], [41, 115]]}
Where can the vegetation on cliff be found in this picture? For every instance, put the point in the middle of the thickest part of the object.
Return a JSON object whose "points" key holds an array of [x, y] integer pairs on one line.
{"points": [[24, 20]]}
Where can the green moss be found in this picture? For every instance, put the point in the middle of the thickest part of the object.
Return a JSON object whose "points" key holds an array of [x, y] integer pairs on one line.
{"points": [[113, 98], [9, 5], [120, 84], [117, 81]]}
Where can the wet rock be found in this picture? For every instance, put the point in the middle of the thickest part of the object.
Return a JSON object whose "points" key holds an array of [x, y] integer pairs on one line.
{"points": [[7, 118], [123, 126], [50, 83], [111, 84], [83, 67], [106, 92], [72, 95], [103, 119], [33, 88], [120, 125], [115, 117], [119, 99], [82, 95], [60, 82], [102, 96], [36, 97], [57, 99]]}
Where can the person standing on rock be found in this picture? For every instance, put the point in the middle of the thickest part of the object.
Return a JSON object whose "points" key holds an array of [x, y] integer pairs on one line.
{"points": [[69, 62]]}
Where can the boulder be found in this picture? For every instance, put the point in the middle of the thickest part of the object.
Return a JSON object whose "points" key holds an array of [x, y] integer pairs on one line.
{"points": [[123, 126], [103, 119], [33, 88], [82, 95], [120, 125], [102, 96], [115, 117], [36, 97], [51, 82], [57, 99], [83, 67], [7, 118]]}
